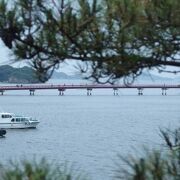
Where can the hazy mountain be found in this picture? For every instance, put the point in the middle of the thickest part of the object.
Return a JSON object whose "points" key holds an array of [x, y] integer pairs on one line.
{"points": [[9, 74], [151, 78], [26, 74], [177, 79], [61, 75], [143, 78]]}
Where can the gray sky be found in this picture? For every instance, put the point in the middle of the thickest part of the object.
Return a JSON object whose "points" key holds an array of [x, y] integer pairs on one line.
{"points": [[4, 52], [7, 58]]}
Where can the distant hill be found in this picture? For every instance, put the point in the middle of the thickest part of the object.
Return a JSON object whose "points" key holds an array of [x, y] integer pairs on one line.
{"points": [[24, 75], [151, 78], [9, 74], [177, 79], [143, 78], [61, 75]]}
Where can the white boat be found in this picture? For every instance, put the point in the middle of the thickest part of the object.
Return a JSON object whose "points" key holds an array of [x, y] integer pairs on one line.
{"points": [[12, 121]]}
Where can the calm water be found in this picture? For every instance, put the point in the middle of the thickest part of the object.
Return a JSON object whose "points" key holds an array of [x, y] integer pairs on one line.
{"points": [[87, 132]]}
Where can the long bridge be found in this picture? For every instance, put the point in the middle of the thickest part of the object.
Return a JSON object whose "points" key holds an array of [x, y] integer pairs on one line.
{"points": [[88, 87]]}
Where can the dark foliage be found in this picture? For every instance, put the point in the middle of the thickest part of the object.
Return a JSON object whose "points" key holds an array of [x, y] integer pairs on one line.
{"points": [[116, 38], [155, 164]]}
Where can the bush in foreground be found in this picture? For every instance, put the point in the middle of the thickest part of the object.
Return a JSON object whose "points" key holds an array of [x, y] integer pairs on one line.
{"points": [[156, 164], [41, 170]]}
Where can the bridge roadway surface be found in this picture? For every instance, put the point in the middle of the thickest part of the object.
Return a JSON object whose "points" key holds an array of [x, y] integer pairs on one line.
{"points": [[86, 86], [89, 87]]}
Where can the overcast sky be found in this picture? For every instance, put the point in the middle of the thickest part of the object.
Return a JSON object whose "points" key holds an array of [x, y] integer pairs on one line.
{"points": [[6, 58], [3, 54]]}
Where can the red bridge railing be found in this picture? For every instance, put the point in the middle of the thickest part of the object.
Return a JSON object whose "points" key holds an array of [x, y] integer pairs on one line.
{"points": [[85, 86]]}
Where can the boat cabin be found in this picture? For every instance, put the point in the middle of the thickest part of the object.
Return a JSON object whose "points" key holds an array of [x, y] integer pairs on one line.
{"points": [[19, 119]]}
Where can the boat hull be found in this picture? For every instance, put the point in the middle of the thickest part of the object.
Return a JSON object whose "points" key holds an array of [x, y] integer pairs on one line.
{"points": [[18, 125]]}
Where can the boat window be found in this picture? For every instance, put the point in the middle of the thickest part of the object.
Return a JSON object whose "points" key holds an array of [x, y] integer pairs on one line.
{"points": [[6, 116], [18, 119], [12, 120], [22, 119]]}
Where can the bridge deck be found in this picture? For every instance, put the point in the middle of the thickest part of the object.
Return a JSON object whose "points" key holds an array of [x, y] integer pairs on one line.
{"points": [[85, 86]]}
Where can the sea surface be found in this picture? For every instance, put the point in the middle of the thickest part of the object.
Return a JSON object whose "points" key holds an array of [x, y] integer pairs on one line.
{"points": [[88, 132]]}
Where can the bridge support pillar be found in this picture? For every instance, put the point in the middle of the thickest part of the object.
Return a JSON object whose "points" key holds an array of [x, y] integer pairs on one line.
{"points": [[89, 91], [164, 93], [31, 92], [115, 91], [61, 92], [140, 91], [2, 92]]}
